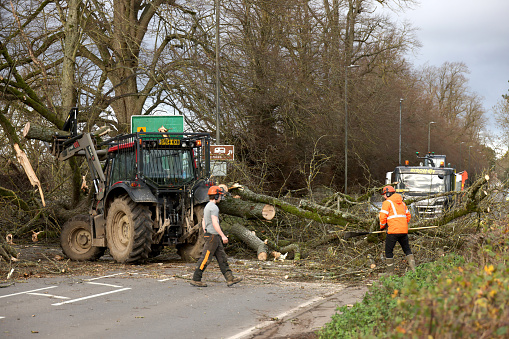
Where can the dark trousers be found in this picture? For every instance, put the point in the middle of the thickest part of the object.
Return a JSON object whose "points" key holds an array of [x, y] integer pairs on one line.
{"points": [[213, 248], [390, 242]]}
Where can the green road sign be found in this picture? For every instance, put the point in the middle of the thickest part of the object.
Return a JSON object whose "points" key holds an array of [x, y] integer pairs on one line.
{"points": [[157, 123]]}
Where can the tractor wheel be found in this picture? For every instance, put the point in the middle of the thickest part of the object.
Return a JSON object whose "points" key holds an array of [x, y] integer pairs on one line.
{"points": [[191, 250], [76, 239], [128, 230]]}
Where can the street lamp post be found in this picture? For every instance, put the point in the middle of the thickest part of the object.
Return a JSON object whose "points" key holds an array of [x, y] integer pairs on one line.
{"points": [[400, 101], [469, 147], [218, 80], [429, 134], [461, 159], [346, 125]]}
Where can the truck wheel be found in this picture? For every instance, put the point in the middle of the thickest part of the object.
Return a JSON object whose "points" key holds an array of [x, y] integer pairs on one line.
{"points": [[128, 230], [76, 240]]}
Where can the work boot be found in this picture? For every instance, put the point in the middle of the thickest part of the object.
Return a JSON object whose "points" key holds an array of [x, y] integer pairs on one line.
{"points": [[198, 283], [230, 280], [390, 265], [411, 261]]}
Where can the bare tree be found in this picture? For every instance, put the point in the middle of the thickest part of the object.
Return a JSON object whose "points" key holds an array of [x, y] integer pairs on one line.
{"points": [[447, 88], [284, 66]]}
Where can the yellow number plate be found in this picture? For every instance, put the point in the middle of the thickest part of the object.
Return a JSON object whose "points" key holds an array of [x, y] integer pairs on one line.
{"points": [[169, 142]]}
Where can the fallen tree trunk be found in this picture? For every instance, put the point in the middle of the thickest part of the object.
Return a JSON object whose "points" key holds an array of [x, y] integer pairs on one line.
{"points": [[246, 209], [471, 200], [246, 193], [235, 226]]}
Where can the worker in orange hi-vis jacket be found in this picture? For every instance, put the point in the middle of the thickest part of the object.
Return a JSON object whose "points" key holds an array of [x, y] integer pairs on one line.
{"points": [[395, 216]]}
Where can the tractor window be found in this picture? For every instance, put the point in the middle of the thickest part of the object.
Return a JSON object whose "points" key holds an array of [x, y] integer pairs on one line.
{"points": [[168, 166], [123, 167]]}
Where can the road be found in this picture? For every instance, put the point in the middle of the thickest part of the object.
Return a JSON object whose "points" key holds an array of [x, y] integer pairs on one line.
{"points": [[127, 304]]}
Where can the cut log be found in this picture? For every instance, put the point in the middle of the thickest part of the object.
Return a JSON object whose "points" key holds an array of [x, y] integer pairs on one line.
{"points": [[246, 209], [235, 226]]}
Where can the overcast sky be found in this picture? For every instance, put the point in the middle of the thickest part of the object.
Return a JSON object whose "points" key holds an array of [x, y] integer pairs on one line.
{"points": [[470, 31]]}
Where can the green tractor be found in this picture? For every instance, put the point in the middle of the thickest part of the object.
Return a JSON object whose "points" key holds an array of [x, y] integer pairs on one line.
{"points": [[150, 190]]}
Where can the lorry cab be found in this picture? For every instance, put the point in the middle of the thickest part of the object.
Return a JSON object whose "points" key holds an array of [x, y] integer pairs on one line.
{"points": [[428, 179]]}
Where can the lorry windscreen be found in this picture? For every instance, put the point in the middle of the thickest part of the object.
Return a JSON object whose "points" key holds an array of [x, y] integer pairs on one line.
{"points": [[422, 183]]}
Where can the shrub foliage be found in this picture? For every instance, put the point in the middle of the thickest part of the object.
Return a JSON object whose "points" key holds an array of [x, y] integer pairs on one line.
{"points": [[453, 297]]}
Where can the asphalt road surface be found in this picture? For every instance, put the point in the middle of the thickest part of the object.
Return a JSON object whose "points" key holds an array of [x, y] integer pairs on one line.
{"points": [[134, 305]]}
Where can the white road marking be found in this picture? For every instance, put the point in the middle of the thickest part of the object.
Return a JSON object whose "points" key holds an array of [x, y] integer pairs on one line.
{"points": [[2, 317], [163, 280], [105, 276], [278, 317], [91, 296], [102, 284], [39, 289], [49, 295]]}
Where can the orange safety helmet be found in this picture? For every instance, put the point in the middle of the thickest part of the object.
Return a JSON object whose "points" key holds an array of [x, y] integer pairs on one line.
{"points": [[215, 190], [388, 189]]}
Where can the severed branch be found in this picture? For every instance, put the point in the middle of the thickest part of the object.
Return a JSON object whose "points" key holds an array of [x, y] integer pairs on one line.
{"points": [[23, 160]]}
